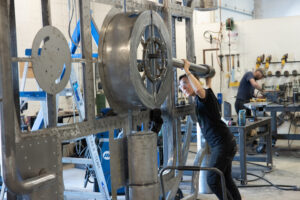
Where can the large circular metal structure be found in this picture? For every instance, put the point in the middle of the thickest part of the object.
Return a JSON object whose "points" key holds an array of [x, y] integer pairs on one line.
{"points": [[51, 60], [136, 62]]}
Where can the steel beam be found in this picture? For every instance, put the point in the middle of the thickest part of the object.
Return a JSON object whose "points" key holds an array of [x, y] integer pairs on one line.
{"points": [[86, 44], [51, 99]]}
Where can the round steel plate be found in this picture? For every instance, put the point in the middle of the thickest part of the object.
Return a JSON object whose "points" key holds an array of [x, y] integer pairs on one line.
{"points": [[51, 60], [120, 71]]}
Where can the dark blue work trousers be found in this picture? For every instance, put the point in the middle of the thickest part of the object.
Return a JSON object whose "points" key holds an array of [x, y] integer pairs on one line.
{"points": [[221, 158]]}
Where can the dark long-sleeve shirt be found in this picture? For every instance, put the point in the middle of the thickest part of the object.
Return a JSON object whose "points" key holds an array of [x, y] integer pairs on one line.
{"points": [[208, 114]]}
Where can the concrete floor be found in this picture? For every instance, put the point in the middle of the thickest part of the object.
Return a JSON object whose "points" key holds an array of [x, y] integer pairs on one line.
{"points": [[286, 171]]}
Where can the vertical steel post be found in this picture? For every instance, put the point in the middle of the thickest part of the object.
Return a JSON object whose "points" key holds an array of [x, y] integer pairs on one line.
{"points": [[8, 73], [6, 80], [86, 44], [169, 125], [14, 53], [51, 99]]}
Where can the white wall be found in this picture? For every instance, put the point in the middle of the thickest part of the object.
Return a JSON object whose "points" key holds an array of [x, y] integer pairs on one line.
{"points": [[252, 38], [276, 8], [237, 9], [256, 37]]}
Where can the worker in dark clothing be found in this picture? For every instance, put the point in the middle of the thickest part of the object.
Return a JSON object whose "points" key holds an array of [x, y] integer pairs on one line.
{"points": [[246, 89], [218, 136]]}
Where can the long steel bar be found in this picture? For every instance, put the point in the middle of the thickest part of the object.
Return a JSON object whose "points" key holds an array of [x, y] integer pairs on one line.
{"points": [[175, 9], [74, 60], [51, 99], [14, 52], [199, 69], [86, 41]]}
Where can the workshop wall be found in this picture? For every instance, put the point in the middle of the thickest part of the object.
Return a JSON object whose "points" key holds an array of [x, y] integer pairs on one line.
{"points": [[250, 39], [276, 8]]}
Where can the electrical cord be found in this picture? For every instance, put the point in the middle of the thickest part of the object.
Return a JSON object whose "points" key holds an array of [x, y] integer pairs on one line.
{"points": [[270, 184], [69, 26]]}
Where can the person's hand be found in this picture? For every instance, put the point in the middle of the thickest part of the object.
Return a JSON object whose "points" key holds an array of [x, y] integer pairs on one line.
{"points": [[186, 65], [263, 93]]}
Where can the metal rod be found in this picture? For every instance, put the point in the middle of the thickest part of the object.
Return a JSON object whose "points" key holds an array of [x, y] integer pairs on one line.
{"points": [[86, 44], [199, 70], [204, 53], [74, 60], [51, 99], [192, 168], [14, 52], [279, 62]]}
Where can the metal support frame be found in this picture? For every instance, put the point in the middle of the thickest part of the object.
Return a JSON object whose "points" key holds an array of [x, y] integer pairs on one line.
{"points": [[43, 177], [274, 108], [243, 137]]}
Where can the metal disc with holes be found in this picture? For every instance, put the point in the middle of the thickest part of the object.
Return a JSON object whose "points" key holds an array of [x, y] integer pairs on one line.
{"points": [[51, 60], [136, 67]]}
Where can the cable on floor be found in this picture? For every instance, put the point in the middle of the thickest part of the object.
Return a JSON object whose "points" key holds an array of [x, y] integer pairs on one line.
{"points": [[270, 184]]}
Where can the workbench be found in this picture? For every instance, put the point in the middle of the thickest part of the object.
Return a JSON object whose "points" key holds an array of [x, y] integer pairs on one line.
{"points": [[274, 108], [244, 138]]}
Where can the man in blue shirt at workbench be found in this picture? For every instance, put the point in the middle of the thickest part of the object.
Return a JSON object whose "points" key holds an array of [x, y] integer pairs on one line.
{"points": [[246, 89], [218, 136]]}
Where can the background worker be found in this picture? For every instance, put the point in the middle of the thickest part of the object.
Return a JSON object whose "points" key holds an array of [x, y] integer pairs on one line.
{"points": [[246, 89], [218, 136]]}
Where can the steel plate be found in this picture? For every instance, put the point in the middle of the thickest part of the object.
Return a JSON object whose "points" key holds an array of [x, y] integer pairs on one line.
{"points": [[50, 53]]}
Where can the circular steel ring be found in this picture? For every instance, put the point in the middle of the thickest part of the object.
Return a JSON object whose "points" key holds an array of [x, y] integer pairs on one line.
{"points": [[51, 60], [160, 51], [119, 69]]}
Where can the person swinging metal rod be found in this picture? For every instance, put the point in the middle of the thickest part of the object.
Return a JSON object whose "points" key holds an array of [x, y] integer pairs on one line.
{"points": [[218, 136]]}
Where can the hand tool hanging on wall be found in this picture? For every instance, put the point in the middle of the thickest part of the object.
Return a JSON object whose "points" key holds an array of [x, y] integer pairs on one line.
{"points": [[238, 62], [221, 62], [228, 69], [284, 59], [259, 60], [222, 70], [268, 60], [232, 69]]}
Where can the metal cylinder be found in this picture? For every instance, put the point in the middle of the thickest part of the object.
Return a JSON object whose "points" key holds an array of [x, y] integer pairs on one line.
{"points": [[142, 158], [203, 186], [124, 84], [201, 144], [147, 192], [200, 70]]}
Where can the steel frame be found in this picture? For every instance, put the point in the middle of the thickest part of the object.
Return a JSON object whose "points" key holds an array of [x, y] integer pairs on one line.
{"points": [[27, 176]]}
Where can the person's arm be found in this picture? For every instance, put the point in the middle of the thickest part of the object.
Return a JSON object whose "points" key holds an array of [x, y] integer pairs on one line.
{"points": [[197, 87], [255, 84], [208, 82]]}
